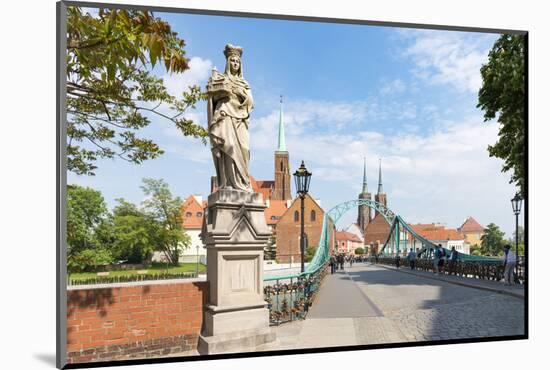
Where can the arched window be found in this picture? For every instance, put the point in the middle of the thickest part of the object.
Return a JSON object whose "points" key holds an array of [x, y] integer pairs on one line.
{"points": [[199, 214], [281, 166], [296, 216], [313, 215], [188, 214]]}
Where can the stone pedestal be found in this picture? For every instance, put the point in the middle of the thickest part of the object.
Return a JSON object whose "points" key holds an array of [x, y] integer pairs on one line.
{"points": [[235, 233]]}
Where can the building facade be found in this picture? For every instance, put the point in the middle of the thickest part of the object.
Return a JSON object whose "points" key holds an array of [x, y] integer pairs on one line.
{"points": [[347, 242], [472, 231], [288, 229], [377, 230]]}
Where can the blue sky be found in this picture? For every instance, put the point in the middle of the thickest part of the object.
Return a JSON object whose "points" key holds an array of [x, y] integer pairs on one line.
{"points": [[406, 96]]}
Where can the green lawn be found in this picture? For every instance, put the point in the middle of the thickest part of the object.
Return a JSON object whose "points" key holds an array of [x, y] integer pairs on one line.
{"points": [[157, 268]]}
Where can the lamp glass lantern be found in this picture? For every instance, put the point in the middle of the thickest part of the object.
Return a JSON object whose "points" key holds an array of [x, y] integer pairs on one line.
{"points": [[516, 204], [302, 178]]}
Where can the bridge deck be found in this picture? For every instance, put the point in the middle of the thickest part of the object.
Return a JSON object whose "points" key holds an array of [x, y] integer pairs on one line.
{"points": [[370, 304], [340, 296]]}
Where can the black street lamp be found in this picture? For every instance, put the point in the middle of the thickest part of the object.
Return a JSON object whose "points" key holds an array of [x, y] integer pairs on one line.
{"points": [[516, 206], [302, 178]]}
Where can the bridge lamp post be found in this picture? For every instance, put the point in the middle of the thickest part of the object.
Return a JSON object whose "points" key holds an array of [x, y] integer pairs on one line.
{"points": [[516, 206], [302, 178]]}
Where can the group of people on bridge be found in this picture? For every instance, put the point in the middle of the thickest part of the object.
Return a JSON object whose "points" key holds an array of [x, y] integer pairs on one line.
{"points": [[337, 261]]}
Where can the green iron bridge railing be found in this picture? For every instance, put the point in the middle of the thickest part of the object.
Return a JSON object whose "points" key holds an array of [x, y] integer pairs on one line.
{"points": [[289, 297]]}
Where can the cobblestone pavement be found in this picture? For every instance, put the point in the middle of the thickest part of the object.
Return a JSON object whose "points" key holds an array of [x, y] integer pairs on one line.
{"points": [[428, 309], [398, 308]]}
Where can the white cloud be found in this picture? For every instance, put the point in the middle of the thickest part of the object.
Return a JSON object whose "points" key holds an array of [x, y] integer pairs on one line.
{"points": [[443, 175], [392, 87], [447, 58], [197, 74]]}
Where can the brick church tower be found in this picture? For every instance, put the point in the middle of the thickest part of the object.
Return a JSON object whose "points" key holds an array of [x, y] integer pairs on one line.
{"points": [[380, 196], [282, 172], [364, 211]]}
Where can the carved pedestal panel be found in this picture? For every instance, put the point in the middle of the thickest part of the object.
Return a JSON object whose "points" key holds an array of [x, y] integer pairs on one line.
{"points": [[236, 318]]}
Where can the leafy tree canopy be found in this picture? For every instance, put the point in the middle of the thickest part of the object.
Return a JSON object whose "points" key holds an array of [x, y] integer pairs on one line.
{"points": [[359, 251], [161, 206], [87, 228], [86, 210], [111, 91], [134, 233], [492, 241], [502, 95]]}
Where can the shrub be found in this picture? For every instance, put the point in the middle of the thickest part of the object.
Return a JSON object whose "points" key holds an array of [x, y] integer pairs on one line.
{"points": [[89, 260]]}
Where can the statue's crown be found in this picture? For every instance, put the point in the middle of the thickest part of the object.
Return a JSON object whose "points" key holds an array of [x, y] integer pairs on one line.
{"points": [[231, 50]]}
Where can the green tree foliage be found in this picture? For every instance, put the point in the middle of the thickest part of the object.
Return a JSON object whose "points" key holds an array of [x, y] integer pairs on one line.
{"points": [[309, 253], [110, 90], [134, 233], [502, 95], [521, 235], [86, 213], [359, 251], [169, 234], [492, 241]]}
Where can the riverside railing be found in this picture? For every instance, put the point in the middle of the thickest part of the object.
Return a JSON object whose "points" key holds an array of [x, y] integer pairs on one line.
{"points": [[289, 297], [484, 269]]}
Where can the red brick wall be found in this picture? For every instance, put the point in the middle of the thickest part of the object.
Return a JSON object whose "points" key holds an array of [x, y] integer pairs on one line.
{"points": [[125, 322], [288, 230], [377, 231]]}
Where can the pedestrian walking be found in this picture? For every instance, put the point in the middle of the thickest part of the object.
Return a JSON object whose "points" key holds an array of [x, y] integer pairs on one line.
{"points": [[441, 262], [397, 260], [332, 264], [350, 261], [341, 261], [453, 258], [412, 259], [437, 255], [509, 264]]}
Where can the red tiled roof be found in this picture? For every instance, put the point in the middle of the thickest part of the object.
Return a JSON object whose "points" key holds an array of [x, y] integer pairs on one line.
{"points": [[344, 235], [471, 225], [275, 211], [426, 227], [264, 187], [190, 210], [439, 234]]}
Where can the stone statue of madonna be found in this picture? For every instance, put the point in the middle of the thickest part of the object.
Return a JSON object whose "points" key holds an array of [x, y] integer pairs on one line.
{"points": [[229, 106]]}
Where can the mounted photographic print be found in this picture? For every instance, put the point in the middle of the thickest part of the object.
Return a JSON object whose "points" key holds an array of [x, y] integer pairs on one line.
{"points": [[249, 184]]}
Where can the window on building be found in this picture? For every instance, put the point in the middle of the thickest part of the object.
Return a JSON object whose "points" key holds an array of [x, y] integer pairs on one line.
{"points": [[281, 166], [188, 214], [313, 216], [199, 214], [296, 216]]}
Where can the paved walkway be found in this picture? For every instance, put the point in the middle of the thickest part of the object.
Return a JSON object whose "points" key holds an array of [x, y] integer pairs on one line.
{"points": [[371, 304]]}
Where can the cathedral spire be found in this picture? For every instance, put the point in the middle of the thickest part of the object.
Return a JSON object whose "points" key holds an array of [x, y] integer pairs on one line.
{"points": [[380, 189], [282, 146], [365, 190]]}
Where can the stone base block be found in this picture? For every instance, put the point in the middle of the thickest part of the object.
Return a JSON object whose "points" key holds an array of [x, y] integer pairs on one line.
{"points": [[219, 323], [236, 342]]}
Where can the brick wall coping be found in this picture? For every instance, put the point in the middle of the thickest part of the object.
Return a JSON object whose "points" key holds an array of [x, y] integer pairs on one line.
{"points": [[201, 278]]}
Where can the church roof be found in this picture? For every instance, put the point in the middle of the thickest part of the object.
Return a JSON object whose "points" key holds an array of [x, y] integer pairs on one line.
{"points": [[471, 225], [264, 187], [275, 211], [281, 147]]}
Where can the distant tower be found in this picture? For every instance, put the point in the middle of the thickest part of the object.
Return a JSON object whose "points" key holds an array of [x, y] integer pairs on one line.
{"points": [[363, 213], [380, 196], [282, 172]]}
